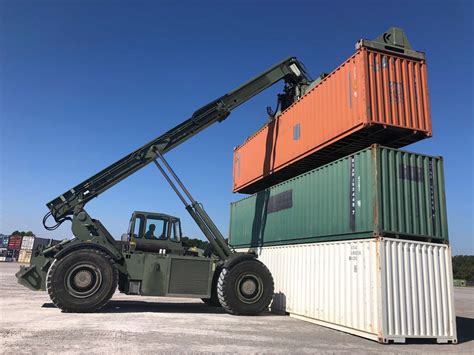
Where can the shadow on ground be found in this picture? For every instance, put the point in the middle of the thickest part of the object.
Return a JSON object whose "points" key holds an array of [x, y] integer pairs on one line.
{"points": [[158, 307], [465, 328]]}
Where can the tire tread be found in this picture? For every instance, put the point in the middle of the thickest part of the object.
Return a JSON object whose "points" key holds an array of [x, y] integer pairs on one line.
{"points": [[222, 287], [64, 308]]}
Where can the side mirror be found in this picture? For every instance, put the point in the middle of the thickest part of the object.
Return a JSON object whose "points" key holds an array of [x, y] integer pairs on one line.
{"points": [[125, 237]]}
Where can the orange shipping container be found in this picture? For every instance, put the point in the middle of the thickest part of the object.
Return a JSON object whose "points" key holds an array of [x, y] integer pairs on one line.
{"points": [[373, 97]]}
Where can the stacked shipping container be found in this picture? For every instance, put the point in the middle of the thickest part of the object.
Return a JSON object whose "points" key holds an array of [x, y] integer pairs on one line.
{"points": [[26, 247], [4, 241], [383, 289], [14, 242], [18, 248], [13, 248], [3, 247], [30, 245], [371, 98], [375, 192], [27, 242], [306, 221]]}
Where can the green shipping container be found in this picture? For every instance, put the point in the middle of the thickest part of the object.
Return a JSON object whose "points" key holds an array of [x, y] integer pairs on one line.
{"points": [[375, 192]]}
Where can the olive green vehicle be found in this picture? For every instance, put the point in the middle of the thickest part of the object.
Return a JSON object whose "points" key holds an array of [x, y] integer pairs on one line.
{"points": [[82, 274]]}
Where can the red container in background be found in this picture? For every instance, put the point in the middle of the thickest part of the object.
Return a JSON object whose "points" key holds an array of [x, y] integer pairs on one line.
{"points": [[14, 242], [373, 97]]}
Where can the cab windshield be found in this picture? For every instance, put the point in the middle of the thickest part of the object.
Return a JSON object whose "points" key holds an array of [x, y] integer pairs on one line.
{"points": [[155, 228]]}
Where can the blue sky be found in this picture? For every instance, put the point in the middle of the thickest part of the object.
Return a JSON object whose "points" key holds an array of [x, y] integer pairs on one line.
{"points": [[83, 83]]}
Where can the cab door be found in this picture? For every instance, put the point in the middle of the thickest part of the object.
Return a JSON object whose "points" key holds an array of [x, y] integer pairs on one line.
{"points": [[150, 234]]}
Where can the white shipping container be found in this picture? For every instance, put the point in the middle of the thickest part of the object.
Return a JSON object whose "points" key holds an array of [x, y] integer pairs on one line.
{"points": [[24, 256], [382, 289], [27, 243]]}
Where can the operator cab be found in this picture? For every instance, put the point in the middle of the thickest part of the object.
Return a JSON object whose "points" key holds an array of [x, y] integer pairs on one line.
{"points": [[155, 232]]}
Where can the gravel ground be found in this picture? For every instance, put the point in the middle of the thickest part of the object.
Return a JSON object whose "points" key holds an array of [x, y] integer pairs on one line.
{"points": [[30, 323]]}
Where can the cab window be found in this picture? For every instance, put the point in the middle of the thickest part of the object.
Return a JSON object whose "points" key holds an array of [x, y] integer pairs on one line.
{"points": [[137, 227], [175, 232], [155, 228]]}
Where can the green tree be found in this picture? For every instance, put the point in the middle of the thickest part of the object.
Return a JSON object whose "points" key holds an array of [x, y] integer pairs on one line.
{"points": [[194, 242], [463, 267], [23, 233]]}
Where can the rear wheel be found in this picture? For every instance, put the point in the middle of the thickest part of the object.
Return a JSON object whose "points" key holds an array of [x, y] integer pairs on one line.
{"points": [[246, 288], [82, 281]]}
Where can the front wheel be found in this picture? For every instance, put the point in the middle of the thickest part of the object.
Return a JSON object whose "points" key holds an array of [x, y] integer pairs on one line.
{"points": [[82, 281], [246, 288]]}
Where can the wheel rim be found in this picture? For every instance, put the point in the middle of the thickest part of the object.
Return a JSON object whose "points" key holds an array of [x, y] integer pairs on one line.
{"points": [[83, 280], [249, 288]]}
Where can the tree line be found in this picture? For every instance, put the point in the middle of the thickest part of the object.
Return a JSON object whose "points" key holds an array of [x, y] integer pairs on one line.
{"points": [[24, 234], [194, 242], [463, 267]]}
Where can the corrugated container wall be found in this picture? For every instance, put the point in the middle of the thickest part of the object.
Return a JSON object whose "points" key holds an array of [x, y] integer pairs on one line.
{"points": [[376, 191], [27, 243], [4, 241], [14, 242], [383, 289], [24, 256], [373, 97], [12, 255]]}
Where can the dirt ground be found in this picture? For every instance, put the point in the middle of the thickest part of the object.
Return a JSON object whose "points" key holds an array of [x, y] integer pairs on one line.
{"points": [[30, 323]]}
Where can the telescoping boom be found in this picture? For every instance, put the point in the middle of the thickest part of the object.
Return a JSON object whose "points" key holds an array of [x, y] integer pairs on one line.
{"points": [[290, 70]]}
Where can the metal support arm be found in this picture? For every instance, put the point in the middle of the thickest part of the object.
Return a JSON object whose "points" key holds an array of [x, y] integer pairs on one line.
{"points": [[195, 209]]}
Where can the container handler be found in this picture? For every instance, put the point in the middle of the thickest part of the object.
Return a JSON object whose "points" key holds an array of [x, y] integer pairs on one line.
{"points": [[82, 274]]}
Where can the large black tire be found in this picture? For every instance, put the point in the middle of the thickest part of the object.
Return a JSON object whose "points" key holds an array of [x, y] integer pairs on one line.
{"points": [[82, 281], [246, 288], [214, 300]]}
